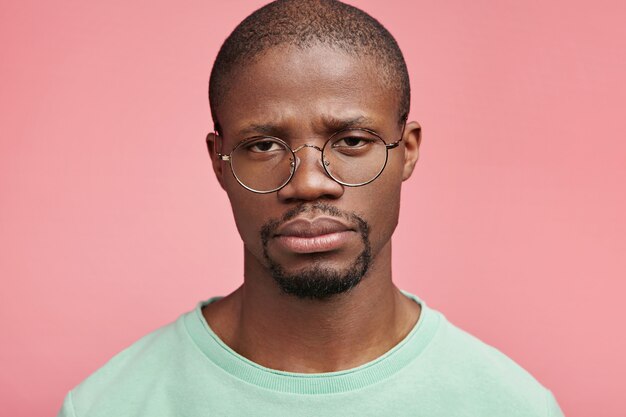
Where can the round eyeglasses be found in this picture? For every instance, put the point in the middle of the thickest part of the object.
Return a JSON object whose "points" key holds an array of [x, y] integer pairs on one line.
{"points": [[352, 157]]}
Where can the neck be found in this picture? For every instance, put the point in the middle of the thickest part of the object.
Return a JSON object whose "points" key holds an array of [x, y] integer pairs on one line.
{"points": [[283, 332]]}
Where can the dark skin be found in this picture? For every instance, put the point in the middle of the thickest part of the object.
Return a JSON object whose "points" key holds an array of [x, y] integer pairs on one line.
{"points": [[303, 96]]}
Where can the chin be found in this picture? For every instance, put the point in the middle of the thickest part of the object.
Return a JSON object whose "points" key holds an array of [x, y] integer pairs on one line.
{"points": [[320, 282]]}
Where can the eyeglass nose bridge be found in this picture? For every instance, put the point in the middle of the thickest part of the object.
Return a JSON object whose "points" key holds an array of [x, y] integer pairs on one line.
{"points": [[325, 163], [307, 145]]}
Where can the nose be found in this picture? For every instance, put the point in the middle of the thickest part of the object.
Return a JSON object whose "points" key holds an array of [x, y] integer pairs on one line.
{"points": [[310, 181]]}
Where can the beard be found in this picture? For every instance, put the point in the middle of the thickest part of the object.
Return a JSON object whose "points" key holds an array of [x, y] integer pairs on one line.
{"points": [[318, 282]]}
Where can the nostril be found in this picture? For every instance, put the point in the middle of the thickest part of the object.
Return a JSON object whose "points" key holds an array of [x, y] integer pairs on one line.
{"points": [[310, 179]]}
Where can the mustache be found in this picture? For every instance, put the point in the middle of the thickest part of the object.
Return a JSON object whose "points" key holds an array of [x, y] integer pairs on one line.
{"points": [[272, 225]]}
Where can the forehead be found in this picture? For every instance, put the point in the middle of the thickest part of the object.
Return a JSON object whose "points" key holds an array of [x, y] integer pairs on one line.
{"points": [[312, 88]]}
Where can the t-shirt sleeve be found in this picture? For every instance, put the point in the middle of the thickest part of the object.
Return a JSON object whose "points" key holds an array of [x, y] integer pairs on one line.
{"points": [[553, 407], [67, 410]]}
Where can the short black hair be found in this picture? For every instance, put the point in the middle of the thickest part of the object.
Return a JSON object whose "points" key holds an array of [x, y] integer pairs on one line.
{"points": [[306, 23]]}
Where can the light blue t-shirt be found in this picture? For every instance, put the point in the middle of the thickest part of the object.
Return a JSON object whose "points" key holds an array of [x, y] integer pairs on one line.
{"points": [[184, 370]]}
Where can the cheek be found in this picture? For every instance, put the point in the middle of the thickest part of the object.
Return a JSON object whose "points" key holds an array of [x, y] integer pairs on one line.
{"points": [[386, 209], [242, 205], [248, 214], [382, 210], [390, 181]]}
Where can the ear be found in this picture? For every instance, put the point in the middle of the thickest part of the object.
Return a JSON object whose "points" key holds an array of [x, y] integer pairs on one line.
{"points": [[211, 144], [412, 138]]}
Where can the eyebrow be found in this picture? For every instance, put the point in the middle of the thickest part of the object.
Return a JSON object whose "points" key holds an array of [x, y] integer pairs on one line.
{"points": [[331, 123], [334, 124], [265, 129]]}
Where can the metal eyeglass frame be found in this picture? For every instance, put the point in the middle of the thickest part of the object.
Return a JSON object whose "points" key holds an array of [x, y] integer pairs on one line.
{"points": [[227, 158]]}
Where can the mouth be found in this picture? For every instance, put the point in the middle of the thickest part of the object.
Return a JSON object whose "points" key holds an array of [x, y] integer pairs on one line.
{"points": [[322, 234]]}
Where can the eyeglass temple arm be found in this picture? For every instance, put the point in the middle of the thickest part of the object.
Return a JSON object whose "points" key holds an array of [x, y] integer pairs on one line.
{"points": [[394, 144], [397, 143], [220, 155]]}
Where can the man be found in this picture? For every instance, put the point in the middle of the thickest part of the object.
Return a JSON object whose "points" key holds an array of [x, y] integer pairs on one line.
{"points": [[311, 144]]}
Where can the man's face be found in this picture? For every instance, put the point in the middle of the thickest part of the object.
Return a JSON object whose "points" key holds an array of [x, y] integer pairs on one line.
{"points": [[314, 229]]}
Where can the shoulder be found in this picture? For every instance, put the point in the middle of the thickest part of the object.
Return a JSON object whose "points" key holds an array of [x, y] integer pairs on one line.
{"points": [[475, 369], [465, 351], [125, 377], [145, 352]]}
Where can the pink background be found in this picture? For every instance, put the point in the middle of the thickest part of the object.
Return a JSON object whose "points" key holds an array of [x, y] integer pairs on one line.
{"points": [[111, 223]]}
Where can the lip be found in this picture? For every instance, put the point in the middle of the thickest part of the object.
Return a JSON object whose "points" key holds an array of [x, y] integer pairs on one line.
{"points": [[322, 234]]}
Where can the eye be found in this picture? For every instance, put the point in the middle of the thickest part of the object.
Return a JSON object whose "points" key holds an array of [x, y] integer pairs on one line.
{"points": [[264, 145], [350, 142], [355, 143]]}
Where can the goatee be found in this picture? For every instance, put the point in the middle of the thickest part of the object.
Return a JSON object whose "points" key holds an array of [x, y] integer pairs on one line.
{"points": [[318, 282]]}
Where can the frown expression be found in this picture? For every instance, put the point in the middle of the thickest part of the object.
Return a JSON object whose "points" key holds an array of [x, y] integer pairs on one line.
{"points": [[303, 96]]}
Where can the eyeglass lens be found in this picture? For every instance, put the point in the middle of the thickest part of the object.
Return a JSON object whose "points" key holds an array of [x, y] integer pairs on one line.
{"points": [[351, 157]]}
